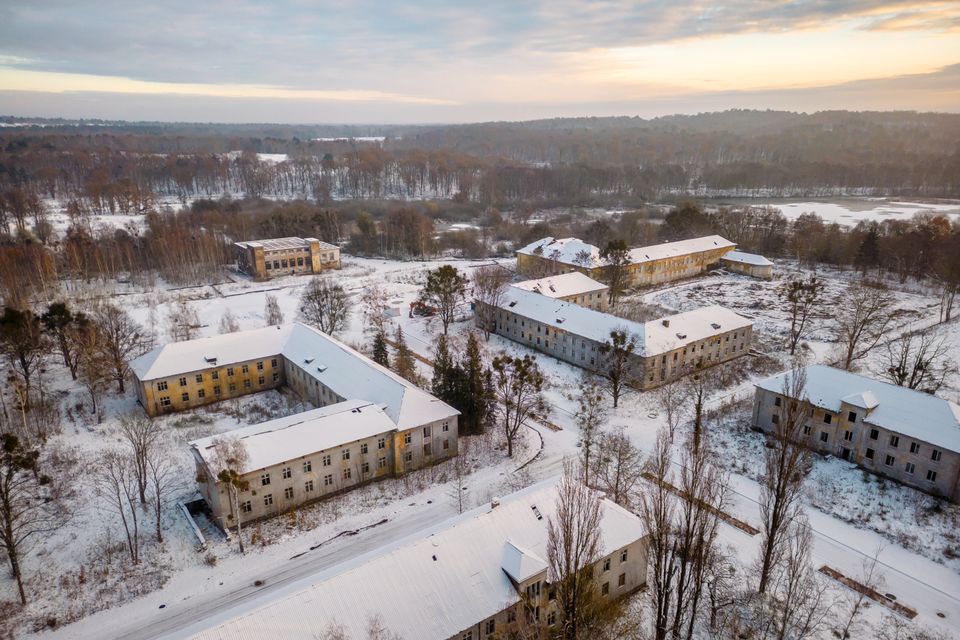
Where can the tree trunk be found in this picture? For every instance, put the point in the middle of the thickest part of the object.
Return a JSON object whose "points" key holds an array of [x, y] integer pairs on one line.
{"points": [[18, 574]]}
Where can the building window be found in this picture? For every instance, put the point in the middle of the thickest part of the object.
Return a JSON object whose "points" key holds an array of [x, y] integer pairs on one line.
{"points": [[185, 396], [363, 449], [346, 473], [326, 461], [446, 444], [775, 418], [606, 564], [407, 438], [308, 486], [264, 479], [848, 435], [551, 618], [914, 447], [260, 365], [932, 475], [894, 441], [229, 371], [935, 455], [200, 377], [426, 432], [261, 380], [246, 507], [910, 468], [365, 467], [408, 456], [889, 460], [345, 454], [273, 363], [183, 382], [426, 449], [381, 462], [852, 416], [869, 454], [268, 500], [874, 434], [382, 443], [827, 418], [491, 626], [214, 375], [824, 436], [288, 493], [623, 556], [622, 580], [162, 386], [307, 466], [605, 589], [287, 473], [328, 480], [233, 387], [165, 401], [446, 427], [807, 429], [201, 393], [246, 384], [216, 391]]}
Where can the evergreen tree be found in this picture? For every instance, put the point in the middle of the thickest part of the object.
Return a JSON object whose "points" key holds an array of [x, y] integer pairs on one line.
{"points": [[380, 355], [868, 254], [403, 362], [477, 391]]}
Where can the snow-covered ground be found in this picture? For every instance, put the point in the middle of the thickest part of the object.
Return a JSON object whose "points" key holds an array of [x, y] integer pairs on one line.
{"points": [[852, 513], [850, 211]]}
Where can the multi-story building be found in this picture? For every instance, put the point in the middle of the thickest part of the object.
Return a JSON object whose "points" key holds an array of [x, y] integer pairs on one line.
{"points": [[361, 402], [571, 287], [749, 264], [647, 265], [666, 349], [264, 259], [476, 576], [906, 435]]}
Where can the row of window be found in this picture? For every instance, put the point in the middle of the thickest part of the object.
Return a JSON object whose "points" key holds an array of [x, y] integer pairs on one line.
{"points": [[217, 390], [285, 264], [215, 375], [910, 467]]}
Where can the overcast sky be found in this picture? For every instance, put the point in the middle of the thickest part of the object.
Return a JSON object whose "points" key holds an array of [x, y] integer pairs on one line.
{"points": [[309, 61]]}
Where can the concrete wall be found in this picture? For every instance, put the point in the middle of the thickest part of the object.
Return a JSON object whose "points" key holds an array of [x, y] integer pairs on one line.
{"points": [[313, 257], [856, 439], [764, 272]]}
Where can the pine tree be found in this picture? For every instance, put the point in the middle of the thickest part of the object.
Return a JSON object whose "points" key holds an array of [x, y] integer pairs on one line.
{"points": [[380, 355], [868, 254], [443, 371], [403, 362], [476, 400]]}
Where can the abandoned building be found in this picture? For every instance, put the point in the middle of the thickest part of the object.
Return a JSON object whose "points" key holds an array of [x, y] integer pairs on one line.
{"points": [[749, 264], [571, 287], [649, 265], [476, 576], [264, 259], [666, 349], [897, 432]]}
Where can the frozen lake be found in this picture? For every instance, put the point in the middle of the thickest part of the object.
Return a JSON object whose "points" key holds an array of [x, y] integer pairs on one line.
{"points": [[850, 211]]}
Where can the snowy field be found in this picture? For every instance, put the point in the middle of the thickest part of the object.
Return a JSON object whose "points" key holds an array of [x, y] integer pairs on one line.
{"points": [[850, 211], [853, 514]]}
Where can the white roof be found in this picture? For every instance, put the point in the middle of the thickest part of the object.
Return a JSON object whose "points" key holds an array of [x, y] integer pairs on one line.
{"points": [[563, 285], [747, 258], [679, 248], [430, 586], [521, 564], [343, 370], [653, 337], [301, 434], [899, 409], [282, 244], [574, 251]]}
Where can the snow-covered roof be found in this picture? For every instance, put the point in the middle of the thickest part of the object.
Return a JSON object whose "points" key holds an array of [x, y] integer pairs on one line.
{"points": [[565, 250], [751, 259], [341, 369], [678, 248], [653, 337], [576, 252], [563, 285], [284, 244], [521, 564], [899, 409], [429, 586], [291, 437]]}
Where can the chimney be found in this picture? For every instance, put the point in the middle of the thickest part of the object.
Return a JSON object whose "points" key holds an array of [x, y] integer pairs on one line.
{"points": [[665, 322]]}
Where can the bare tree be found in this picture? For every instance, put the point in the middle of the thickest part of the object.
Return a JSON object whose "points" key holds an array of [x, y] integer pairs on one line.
{"points": [[459, 470], [518, 387], [325, 305], [164, 478], [444, 290], [93, 370], [573, 547], [657, 508], [617, 363], [116, 484], [141, 437], [228, 323], [119, 340], [26, 508], [271, 310], [802, 297], [373, 305], [786, 466], [230, 459], [24, 345], [182, 321], [919, 361], [672, 400], [862, 319], [489, 285], [801, 597], [856, 600], [619, 468], [617, 256], [590, 416]]}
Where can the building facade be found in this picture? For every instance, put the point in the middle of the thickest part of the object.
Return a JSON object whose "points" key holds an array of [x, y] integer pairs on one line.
{"points": [[906, 435], [264, 259], [749, 264], [666, 349], [654, 264], [572, 287], [477, 576]]}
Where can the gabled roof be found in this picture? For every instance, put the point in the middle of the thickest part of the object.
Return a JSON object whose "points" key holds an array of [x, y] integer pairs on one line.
{"points": [[301, 434], [679, 248], [751, 259], [574, 251], [343, 370], [521, 564], [430, 585], [891, 407], [561, 286], [281, 244]]}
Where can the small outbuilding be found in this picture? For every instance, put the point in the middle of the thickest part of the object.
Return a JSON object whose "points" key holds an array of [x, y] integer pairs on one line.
{"points": [[749, 264]]}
